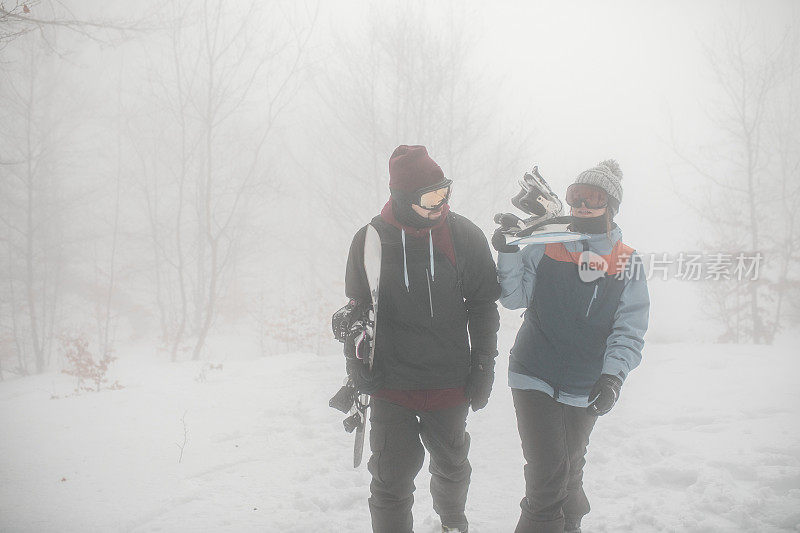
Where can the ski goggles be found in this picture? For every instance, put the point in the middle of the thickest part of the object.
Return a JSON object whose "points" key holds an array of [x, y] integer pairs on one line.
{"points": [[579, 194], [435, 196]]}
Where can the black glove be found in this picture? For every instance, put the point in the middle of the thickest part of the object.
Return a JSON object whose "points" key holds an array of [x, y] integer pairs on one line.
{"points": [[365, 380], [499, 243], [479, 383], [604, 394]]}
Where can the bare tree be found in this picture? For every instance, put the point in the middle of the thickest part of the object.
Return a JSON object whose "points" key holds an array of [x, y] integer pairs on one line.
{"points": [[106, 273], [749, 179], [167, 168], [29, 214], [401, 81], [232, 72], [783, 133], [19, 18], [408, 75]]}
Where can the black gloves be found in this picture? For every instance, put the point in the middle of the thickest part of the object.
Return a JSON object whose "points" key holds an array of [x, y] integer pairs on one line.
{"points": [[604, 394], [365, 380], [499, 243], [479, 384]]}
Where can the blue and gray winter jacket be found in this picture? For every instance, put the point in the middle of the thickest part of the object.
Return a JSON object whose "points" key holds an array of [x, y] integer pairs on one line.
{"points": [[576, 325]]}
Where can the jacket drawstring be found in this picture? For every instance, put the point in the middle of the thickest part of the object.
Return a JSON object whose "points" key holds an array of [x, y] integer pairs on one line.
{"points": [[429, 274], [430, 298], [430, 247], [405, 265], [405, 261]]}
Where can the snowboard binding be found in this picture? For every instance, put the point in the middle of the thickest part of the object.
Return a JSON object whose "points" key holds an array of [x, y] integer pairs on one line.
{"points": [[343, 319], [547, 222], [350, 402], [354, 326], [357, 419], [344, 399], [535, 198]]}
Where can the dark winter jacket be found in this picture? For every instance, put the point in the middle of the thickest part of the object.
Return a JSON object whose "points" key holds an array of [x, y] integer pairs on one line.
{"points": [[574, 329], [429, 329]]}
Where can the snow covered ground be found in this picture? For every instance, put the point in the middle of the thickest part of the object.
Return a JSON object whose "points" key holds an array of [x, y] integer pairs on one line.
{"points": [[705, 438]]}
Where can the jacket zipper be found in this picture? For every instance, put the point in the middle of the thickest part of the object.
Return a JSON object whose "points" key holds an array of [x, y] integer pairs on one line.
{"points": [[591, 301], [430, 298]]}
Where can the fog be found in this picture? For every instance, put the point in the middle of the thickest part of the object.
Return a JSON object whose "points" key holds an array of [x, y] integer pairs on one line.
{"points": [[180, 181]]}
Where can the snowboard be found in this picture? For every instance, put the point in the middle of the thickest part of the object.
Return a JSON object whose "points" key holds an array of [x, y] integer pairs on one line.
{"points": [[546, 225], [548, 231], [543, 230], [549, 236], [372, 267]]}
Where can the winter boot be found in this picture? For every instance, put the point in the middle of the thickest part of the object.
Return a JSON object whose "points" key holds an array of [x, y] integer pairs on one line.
{"points": [[572, 524]]}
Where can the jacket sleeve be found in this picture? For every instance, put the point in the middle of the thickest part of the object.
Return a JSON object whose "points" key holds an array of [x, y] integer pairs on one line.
{"points": [[356, 286], [624, 345], [481, 291], [517, 273]]}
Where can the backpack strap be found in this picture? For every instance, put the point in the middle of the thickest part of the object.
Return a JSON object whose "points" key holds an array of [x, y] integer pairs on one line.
{"points": [[460, 245]]}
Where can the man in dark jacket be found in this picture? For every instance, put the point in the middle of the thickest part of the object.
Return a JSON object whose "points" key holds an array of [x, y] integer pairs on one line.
{"points": [[435, 344]]}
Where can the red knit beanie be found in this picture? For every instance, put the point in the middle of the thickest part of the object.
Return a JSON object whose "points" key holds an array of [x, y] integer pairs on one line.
{"points": [[411, 168]]}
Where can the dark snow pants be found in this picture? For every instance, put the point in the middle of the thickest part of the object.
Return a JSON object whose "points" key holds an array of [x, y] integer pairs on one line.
{"points": [[397, 457], [554, 439]]}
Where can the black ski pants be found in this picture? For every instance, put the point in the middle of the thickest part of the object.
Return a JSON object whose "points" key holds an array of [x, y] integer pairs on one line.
{"points": [[554, 440], [397, 457]]}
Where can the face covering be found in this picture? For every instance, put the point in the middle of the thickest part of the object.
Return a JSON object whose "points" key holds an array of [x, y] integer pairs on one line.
{"points": [[406, 216], [591, 226]]}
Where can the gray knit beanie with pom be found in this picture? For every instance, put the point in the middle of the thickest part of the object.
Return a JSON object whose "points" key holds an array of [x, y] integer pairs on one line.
{"points": [[607, 175]]}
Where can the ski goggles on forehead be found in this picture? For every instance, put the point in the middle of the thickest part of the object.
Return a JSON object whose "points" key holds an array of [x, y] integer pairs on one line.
{"points": [[435, 196], [579, 194]]}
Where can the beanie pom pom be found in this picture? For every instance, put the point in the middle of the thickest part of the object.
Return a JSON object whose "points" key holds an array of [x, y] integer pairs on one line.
{"points": [[613, 167]]}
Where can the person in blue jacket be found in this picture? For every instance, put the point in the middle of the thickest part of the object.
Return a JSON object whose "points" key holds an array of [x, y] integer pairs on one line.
{"points": [[586, 311]]}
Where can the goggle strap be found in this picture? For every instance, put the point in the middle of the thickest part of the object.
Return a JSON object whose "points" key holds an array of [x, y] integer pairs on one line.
{"points": [[441, 185]]}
